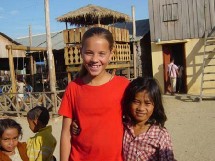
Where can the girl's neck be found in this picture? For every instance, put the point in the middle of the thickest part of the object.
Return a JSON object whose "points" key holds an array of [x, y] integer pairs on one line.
{"points": [[8, 153], [140, 128], [97, 80]]}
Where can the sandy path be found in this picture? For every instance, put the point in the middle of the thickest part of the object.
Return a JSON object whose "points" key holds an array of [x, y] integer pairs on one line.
{"points": [[190, 124], [192, 128]]}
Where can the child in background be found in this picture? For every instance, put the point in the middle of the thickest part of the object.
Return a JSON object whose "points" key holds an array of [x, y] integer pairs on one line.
{"points": [[28, 90], [10, 148], [41, 146], [145, 137], [21, 90]]}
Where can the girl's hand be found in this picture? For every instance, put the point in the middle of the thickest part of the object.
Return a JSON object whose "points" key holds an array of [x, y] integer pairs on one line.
{"points": [[75, 128]]}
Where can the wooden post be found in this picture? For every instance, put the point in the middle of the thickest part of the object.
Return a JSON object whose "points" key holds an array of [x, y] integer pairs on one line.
{"points": [[30, 36], [134, 42], [50, 56], [66, 26], [12, 72], [31, 58], [28, 48], [69, 77], [139, 61]]}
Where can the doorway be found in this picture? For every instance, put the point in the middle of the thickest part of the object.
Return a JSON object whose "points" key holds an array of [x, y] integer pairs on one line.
{"points": [[178, 52]]}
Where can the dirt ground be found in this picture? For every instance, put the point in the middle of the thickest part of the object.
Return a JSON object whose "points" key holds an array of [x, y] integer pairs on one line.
{"points": [[191, 125]]}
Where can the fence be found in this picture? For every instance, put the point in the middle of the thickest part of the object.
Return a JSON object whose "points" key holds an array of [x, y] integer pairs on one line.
{"points": [[12, 103]]}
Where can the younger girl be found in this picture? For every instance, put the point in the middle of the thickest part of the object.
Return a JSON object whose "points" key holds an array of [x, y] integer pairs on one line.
{"points": [[145, 137], [10, 148]]}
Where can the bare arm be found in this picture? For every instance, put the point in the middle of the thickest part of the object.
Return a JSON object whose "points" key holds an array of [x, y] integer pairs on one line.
{"points": [[177, 72], [65, 140]]}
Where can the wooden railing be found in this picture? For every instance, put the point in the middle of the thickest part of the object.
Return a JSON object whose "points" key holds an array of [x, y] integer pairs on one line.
{"points": [[11, 103], [5, 88]]}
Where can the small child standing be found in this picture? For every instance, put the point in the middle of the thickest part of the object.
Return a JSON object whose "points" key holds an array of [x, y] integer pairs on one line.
{"points": [[10, 147], [41, 146], [145, 137]]}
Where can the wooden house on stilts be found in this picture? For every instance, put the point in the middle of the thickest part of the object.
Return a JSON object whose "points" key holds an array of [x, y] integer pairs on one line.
{"points": [[12, 100], [85, 18]]}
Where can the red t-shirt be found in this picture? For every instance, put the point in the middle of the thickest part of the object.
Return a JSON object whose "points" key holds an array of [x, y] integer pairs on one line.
{"points": [[98, 112]]}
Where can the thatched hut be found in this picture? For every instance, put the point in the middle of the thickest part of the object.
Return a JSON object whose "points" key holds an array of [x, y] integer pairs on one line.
{"points": [[89, 16], [92, 14]]}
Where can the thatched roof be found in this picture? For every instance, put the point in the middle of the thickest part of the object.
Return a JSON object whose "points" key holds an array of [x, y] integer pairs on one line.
{"points": [[92, 14]]}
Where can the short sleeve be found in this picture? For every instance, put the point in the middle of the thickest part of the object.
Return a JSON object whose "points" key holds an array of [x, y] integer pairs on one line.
{"points": [[166, 149], [66, 104]]}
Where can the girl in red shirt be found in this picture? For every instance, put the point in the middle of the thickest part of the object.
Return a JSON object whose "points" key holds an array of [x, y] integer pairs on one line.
{"points": [[94, 101]]}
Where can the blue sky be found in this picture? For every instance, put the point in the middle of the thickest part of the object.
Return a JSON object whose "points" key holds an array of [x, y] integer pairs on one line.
{"points": [[17, 15]]}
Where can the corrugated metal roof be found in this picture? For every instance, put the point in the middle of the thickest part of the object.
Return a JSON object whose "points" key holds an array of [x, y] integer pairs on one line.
{"points": [[40, 40], [142, 27]]}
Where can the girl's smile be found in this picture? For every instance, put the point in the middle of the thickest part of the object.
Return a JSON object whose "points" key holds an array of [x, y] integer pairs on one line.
{"points": [[96, 55], [94, 68], [142, 107]]}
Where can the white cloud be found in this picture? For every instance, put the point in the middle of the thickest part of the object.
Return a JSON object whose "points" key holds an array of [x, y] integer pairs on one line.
{"points": [[14, 12]]}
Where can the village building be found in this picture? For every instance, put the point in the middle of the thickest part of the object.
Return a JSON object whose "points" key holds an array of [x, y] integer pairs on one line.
{"points": [[184, 30], [40, 57], [66, 49], [58, 45], [18, 58]]}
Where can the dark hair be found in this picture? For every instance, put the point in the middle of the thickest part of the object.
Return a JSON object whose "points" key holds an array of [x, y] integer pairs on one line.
{"points": [[19, 78], [172, 58], [151, 86], [40, 113], [96, 31], [9, 123]]}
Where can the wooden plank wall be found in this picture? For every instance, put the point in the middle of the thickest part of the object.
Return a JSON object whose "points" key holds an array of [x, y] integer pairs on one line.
{"points": [[178, 24], [163, 27], [190, 22], [201, 17]]}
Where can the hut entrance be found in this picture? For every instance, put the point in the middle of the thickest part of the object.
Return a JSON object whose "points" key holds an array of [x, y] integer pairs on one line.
{"points": [[178, 52]]}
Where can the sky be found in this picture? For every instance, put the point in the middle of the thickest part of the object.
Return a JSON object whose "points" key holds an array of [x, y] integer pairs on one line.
{"points": [[17, 15]]}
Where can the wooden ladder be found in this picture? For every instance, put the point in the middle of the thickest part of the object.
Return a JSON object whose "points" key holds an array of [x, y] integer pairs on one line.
{"points": [[208, 67]]}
